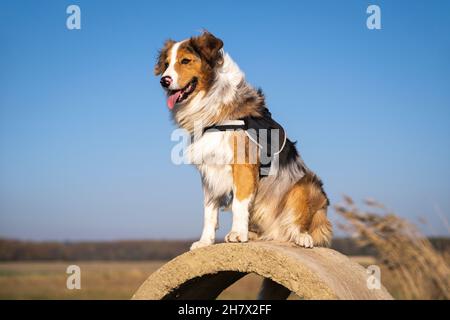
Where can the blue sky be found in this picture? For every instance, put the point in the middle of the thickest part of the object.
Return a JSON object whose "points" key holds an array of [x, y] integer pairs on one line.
{"points": [[85, 133]]}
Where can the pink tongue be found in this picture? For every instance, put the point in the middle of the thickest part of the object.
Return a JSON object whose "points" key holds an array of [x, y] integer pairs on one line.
{"points": [[172, 99]]}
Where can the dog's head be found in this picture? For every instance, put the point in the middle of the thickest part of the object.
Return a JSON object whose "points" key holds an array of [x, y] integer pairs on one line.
{"points": [[187, 67]]}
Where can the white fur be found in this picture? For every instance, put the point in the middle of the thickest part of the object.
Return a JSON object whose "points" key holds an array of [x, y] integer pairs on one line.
{"points": [[170, 71], [218, 179], [213, 154], [209, 227], [284, 228], [224, 88], [211, 148], [305, 240], [223, 91], [239, 228]]}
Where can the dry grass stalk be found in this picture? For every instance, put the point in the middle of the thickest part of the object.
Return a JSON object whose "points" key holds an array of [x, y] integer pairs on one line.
{"points": [[411, 267]]}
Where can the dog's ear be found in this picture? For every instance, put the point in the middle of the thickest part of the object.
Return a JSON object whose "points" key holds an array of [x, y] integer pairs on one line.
{"points": [[208, 47], [160, 65]]}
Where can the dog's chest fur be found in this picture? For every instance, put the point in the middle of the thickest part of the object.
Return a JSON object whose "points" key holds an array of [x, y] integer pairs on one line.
{"points": [[213, 154]]}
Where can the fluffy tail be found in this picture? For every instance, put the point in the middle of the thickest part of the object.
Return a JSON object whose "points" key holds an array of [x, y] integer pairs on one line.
{"points": [[320, 229]]}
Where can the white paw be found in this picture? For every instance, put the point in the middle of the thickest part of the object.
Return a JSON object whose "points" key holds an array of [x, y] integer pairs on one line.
{"points": [[201, 244], [305, 240], [235, 236]]}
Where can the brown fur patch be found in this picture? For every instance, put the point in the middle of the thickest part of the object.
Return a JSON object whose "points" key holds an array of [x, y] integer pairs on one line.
{"points": [[186, 72], [245, 173], [193, 69], [208, 47], [244, 180], [244, 151], [320, 228], [308, 202], [163, 57]]}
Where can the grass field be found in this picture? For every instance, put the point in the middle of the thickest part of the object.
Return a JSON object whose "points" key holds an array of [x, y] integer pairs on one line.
{"points": [[47, 280], [99, 280]]}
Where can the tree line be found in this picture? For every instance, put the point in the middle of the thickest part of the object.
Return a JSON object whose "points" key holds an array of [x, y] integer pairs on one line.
{"points": [[18, 250]]}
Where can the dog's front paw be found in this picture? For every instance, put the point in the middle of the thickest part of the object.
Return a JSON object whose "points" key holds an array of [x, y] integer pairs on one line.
{"points": [[235, 236], [305, 240], [201, 244]]}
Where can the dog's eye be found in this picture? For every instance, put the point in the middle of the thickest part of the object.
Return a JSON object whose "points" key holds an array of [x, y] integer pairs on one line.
{"points": [[185, 61], [166, 65]]}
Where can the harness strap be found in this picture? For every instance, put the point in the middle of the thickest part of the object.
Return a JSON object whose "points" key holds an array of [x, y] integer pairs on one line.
{"points": [[227, 125], [249, 123]]}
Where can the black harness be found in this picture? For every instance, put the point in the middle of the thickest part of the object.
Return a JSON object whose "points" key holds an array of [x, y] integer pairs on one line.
{"points": [[253, 126]]}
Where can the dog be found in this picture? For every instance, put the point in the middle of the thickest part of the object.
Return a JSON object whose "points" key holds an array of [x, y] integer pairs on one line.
{"points": [[204, 86]]}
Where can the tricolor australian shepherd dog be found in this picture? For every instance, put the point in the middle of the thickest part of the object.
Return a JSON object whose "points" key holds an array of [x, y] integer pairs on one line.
{"points": [[273, 196]]}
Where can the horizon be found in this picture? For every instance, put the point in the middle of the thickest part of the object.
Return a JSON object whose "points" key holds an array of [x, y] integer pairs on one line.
{"points": [[184, 240], [85, 134]]}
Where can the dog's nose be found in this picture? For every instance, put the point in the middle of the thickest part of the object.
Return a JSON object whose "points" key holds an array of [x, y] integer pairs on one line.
{"points": [[166, 81]]}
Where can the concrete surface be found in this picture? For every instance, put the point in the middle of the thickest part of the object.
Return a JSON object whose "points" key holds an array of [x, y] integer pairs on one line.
{"points": [[318, 273]]}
